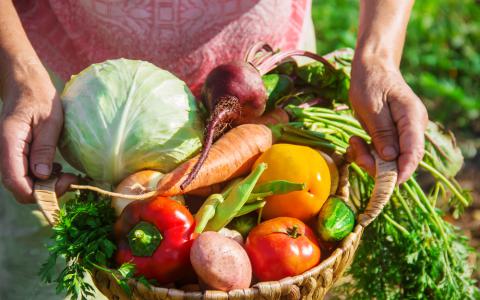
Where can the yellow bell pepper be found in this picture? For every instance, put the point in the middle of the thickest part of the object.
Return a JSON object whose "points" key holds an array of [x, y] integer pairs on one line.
{"points": [[297, 164]]}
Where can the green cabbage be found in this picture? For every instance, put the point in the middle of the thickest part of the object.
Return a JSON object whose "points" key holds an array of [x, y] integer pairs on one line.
{"points": [[122, 116]]}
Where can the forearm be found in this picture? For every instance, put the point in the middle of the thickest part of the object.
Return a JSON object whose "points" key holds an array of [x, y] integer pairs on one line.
{"points": [[16, 52], [382, 29]]}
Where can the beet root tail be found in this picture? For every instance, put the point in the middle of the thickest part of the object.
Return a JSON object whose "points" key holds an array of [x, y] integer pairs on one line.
{"points": [[225, 111]]}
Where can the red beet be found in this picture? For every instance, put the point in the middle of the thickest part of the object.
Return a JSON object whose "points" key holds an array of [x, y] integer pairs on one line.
{"points": [[234, 93], [240, 82]]}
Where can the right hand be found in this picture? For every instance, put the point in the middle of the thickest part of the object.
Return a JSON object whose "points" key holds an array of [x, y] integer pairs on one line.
{"points": [[30, 124], [392, 115]]}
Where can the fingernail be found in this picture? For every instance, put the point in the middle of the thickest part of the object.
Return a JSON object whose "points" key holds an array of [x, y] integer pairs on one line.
{"points": [[389, 151], [42, 169]]}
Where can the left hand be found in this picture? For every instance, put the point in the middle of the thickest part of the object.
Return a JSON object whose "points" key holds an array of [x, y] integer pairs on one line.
{"points": [[30, 124], [390, 112]]}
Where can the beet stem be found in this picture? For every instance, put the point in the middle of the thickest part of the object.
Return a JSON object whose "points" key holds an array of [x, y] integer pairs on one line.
{"points": [[313, 102], [257, 61], [225, 111], [269, 64], [256, 48]]}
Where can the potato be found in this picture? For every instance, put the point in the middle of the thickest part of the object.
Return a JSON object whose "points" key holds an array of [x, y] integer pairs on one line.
{"points": [[221, 263], [232, 234]]}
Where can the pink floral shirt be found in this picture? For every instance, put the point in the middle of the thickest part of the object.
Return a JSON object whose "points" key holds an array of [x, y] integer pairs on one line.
{"points": [[186, 37]]}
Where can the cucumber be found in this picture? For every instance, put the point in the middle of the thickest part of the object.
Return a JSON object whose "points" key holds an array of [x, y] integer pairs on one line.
{"points": [[335, 220]]}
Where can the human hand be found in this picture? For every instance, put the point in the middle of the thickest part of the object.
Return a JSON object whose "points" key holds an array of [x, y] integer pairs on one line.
{"points": [[30, 125], [392, 115]]}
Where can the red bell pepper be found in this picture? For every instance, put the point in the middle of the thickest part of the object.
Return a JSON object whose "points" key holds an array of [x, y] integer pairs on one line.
{"points": [[156, 235]]}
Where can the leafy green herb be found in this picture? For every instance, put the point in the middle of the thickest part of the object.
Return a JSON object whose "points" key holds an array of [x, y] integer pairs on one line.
{"points": [[277, 86], [82, 237], [327, 83]]}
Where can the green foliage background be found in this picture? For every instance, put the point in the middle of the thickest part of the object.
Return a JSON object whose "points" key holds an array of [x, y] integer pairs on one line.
{"points": [[441, 60]]}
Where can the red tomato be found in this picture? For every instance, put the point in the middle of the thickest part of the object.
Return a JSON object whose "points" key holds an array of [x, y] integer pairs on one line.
{"points": [[156, 235], [282, 247]]}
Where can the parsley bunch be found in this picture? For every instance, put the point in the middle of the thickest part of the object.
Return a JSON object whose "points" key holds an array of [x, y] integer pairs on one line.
{"points": [[82, 236]]}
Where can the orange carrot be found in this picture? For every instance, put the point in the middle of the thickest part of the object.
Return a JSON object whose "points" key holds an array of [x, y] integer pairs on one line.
{"points": [[231, 156]]}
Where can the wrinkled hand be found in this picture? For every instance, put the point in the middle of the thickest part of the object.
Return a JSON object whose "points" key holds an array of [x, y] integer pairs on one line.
{"points": [[30, 125], [391, 113]]}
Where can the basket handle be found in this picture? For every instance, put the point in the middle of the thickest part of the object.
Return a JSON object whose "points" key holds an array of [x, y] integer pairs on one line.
{"points": [[385, 181], [44, 194]]}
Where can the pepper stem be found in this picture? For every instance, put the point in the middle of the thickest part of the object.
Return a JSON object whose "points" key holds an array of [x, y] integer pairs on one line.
{"points": [[144, 239]]}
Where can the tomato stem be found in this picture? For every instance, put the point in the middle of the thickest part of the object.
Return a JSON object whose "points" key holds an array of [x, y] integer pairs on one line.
{"points": [[293, 232]]}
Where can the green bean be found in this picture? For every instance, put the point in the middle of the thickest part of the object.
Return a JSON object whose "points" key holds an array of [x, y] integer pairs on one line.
{"points": [[207, 211], [278, 187], [235, 200], [248, 208]]}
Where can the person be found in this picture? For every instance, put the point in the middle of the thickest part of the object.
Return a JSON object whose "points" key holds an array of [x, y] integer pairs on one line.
{"points": [[188, 38]]}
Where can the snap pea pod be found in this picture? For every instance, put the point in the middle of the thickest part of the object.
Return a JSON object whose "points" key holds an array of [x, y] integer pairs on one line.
{"points": [[207, 211], [255, 197], [274, 187], [250, 207], [235, 200], [278, 187], [229, 187]]}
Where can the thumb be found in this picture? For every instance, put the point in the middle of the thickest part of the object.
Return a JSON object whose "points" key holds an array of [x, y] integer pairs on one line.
{"points": [[383, 131], [42, 151]]}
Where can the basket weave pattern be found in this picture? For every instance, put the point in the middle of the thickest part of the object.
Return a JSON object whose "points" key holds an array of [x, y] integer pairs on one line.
{"points": [[313, 284]]}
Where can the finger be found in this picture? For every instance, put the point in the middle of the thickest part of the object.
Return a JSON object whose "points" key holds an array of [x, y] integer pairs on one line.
{"points": [[411, 152], [411, 125], [359, 119], [380, 126], [42, 152], [64, 182], [15, 136], [359, 152]]}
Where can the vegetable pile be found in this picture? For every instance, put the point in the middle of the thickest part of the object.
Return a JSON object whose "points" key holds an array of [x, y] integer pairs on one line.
{"points": [[260, 201]]}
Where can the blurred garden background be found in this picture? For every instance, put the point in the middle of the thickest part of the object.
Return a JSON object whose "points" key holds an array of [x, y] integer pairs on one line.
{"points": [[441, 62]]}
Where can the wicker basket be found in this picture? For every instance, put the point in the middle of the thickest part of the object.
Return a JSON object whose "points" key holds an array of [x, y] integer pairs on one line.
{"points": [[312, 284]]}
